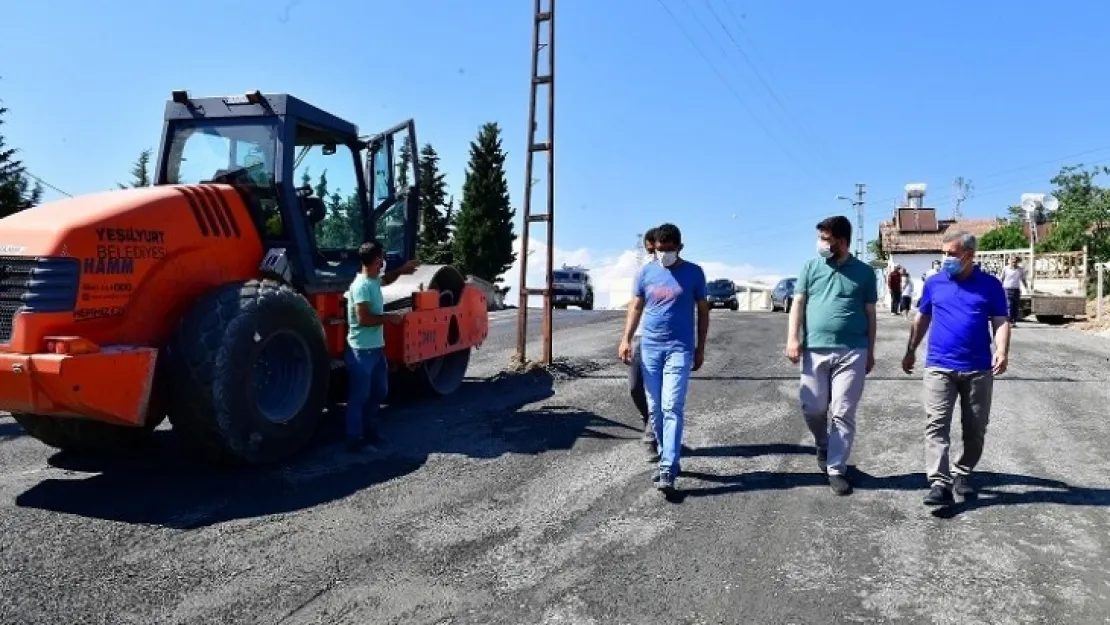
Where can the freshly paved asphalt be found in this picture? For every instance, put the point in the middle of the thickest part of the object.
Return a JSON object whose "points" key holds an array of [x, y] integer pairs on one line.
{"points": [[526, 499]]}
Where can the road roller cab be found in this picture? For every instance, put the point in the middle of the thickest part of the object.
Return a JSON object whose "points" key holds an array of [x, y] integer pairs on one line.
{"points": [[216, 297]]}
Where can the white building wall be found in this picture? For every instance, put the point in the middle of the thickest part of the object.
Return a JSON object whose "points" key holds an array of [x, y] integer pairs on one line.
{"points": [[918, 264]]}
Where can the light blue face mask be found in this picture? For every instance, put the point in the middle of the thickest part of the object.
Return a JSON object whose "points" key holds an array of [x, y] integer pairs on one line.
{"points": [[952, 266]]}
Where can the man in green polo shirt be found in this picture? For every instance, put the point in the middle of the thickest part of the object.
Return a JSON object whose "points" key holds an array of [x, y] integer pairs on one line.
{"points": [[832, 333]]}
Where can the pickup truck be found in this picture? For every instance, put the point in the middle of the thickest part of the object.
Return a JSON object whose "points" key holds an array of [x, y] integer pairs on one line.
{"points": [[1057, 282]]}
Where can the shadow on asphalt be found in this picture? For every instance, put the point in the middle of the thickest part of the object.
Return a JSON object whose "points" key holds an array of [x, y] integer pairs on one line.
{"points": [[10, 429], [165, 486], [749, 451], [1039, 490], [916, 377]]}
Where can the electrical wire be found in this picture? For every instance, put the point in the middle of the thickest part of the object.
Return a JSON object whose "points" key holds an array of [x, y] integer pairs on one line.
{"points": [[797, 121], [895, 198], [732, 89], [45, 183], [784, 230]]}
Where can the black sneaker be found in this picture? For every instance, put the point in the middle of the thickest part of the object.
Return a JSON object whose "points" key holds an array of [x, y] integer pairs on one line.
{"points": [[963, 487], [840, 485], [823, 460], [939, 495]]}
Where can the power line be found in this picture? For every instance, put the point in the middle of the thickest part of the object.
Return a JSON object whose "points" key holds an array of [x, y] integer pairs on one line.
{"points": [[980, 192], [800, 125], [45, 183], [729, 86], [1013, 170], [780, 230]]}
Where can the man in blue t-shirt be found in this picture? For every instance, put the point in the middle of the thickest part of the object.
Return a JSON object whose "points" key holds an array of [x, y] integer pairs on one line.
{"points": [[963, 307], [665, 295]]}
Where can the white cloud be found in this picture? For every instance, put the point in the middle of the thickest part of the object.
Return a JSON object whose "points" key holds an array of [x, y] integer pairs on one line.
{"points": [[612, 271]]}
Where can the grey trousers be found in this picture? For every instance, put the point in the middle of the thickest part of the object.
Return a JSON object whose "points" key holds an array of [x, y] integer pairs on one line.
{"points": [[941, 389], [831, 387]]}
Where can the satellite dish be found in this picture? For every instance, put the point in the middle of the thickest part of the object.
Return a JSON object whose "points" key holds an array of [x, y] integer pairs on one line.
{"points": [[1028, 205], [1050, 203]]}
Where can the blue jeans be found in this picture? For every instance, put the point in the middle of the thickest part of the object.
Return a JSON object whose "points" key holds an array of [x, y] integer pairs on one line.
{"points": [[666, 378], [368, 384]]}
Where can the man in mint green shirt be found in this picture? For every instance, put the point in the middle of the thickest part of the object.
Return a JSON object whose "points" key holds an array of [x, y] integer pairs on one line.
{"points": [[367, 369], [834, 300]]}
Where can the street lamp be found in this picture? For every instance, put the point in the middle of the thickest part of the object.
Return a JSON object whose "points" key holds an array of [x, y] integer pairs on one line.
{"points": [[858, 205]]}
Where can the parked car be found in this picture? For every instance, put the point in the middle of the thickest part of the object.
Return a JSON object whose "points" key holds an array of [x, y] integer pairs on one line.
{"points": [[782, 296], [722, 294]]}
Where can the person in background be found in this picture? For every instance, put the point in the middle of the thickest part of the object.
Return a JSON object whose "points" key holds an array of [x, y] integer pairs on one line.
{"points": [[636, 374], [934, 269], [969, 306], [367, 371], [666, 294], [906, 304], [1013, 277], [834, 301], [894, 285]]}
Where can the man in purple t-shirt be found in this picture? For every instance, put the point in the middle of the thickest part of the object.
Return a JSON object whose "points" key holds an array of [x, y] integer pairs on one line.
{"points": [[963, 306], [665, 294]]}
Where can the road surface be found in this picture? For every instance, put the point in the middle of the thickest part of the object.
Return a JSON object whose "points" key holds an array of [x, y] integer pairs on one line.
{"points": [[526, 499]]}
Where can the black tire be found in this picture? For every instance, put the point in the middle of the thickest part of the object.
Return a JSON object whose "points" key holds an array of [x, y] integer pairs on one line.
{"points": [[734, 307], [85, 435], [251, 371], [589, 303], [789, 304]]}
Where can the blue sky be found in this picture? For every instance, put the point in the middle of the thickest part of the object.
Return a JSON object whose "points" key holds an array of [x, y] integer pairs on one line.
{"points": [[647, 130]]}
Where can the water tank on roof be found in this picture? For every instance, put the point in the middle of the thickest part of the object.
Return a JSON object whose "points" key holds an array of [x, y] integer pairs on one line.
{"points": [[915, 194]]}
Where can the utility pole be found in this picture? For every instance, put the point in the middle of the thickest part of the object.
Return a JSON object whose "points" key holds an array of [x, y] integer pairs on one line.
{"points": [[961, 190], [639, 249], [541, 42], [859, 219]]}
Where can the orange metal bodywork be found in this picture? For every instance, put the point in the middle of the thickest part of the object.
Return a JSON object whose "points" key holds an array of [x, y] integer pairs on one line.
{"points": [[425, 333], [429, 331], [146, 255]]}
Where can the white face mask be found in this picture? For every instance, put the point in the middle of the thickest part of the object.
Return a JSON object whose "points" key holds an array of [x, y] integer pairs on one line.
{"points": [[668, 258], [824, 249]]}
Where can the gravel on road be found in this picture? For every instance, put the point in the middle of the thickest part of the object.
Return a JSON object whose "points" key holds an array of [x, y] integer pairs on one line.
{"points": [[526, 498]]}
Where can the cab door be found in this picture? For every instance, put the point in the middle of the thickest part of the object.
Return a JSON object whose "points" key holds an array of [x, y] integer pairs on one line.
{"points": [[394, 185]]}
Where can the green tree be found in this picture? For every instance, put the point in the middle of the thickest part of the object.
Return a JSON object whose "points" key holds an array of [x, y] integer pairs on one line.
{"points": [[875, 250], [140, 171], [483, 242], [1008, 237], [434, 244], [16, 191], [341, 227], [404, 162], [1083, 217], [1015, 214]]}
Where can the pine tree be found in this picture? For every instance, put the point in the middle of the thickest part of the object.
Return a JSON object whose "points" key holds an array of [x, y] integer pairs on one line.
{"points": [[16, 192], [140, 171], [404, 160], [483, 242], [434, 244]]}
